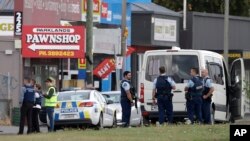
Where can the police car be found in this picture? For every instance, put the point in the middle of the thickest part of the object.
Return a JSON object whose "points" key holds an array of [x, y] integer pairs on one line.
{"points": [[83, 107], [114, 97]]}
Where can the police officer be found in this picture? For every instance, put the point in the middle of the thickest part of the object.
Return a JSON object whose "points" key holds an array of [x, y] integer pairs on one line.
{"points": [[126, 98], [27, 105], [194, 100], [162, 87], [206, 97], [50, 101], [37, 108]]}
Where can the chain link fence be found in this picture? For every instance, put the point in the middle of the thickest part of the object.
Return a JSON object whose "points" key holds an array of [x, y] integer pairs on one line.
{"points": [[5, 99]]}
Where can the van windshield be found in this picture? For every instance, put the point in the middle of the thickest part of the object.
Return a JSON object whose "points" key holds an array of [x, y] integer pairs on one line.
{"points": [[177, 66]]}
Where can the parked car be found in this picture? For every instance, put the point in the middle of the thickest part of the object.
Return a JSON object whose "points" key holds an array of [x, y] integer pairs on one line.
{"points": [[114, 96], [83, 108]]}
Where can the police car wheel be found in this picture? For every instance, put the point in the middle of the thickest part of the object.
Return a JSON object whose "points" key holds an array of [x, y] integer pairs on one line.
{"points": [[141, 122], [100, 123], [212, 117], [114, 121]]}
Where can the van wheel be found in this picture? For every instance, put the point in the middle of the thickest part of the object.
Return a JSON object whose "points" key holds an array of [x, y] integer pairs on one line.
{"points": [[153, 121], [145, 121], [56, 128]]}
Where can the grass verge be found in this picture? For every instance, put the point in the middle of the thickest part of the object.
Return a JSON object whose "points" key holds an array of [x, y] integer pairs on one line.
{"points": [[167, 133]]}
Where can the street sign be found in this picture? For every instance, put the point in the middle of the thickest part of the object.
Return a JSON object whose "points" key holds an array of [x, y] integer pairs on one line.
{"points": [[53, 41], [18, 22], [118, 62], [82, 63], [104, 68]]}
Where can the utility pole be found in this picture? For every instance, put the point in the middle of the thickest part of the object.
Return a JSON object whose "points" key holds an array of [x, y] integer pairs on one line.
{"points": [[89, 42], [123, 37], [226, 25], [184, 15]]}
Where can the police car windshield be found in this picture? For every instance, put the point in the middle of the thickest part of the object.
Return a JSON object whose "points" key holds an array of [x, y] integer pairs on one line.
{"points": [[73, 96], [177, 66]]}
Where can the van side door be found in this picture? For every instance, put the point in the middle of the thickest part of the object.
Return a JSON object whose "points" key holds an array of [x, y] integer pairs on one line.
{"points": [[237, 93], [219, 98]]}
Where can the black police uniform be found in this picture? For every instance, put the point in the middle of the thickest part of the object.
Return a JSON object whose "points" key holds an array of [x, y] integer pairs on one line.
{"points": [[164, 99], [126, 104], [206, 104], [26, 108], [194, 102], [35, 113]]}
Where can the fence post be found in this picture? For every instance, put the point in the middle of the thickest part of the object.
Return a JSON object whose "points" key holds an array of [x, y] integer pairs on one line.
{"points": [[9, 96]]}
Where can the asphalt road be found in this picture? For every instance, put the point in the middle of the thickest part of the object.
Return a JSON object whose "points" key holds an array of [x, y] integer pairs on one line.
{"points": [[14, 129], [8, 130], [245, 121]]}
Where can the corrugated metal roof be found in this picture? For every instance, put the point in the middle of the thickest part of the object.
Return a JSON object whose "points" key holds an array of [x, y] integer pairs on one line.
{"points": [[152, 8], [6, 5]]}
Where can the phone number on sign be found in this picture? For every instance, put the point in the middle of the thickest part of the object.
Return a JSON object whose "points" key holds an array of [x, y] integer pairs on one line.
{"points": [[57, 53]]}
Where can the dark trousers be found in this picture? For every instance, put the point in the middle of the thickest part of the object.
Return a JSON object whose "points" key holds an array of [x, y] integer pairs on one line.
{"points": [[194, 108], [206, 111], [35, 120], [50, 114], [26, 113], [126, 111], [165, 106]]}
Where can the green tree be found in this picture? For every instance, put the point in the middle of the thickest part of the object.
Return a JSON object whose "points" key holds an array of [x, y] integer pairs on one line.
{"points": [[215, 6], [240, 7], [175, 5], [237, 7]]}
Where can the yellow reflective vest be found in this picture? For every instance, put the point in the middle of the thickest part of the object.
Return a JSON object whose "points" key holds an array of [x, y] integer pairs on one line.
{"points": [[52, 101]]}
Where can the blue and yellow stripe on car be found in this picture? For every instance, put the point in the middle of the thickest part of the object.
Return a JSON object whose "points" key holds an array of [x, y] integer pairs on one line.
{"points": [[67, 105]]}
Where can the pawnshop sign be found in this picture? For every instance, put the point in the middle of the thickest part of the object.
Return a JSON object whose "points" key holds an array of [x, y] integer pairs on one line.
{"points": [[53, 41]]}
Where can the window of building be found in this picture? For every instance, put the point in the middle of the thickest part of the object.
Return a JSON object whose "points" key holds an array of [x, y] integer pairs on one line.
{"points": [[73, 64]]}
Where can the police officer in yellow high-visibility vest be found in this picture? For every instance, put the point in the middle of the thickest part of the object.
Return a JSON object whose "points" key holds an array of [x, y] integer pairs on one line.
{"points": [[50, 101]]}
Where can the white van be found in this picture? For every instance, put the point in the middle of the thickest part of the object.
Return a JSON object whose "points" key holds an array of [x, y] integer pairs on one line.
{"points": [[228, 97]]}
